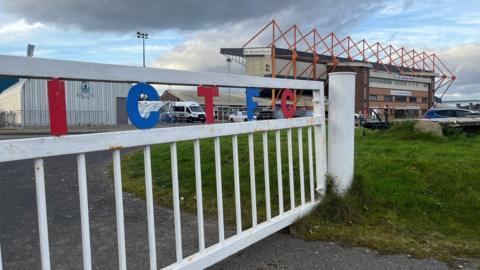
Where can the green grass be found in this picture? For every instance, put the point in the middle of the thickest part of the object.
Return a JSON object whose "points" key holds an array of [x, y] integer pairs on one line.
{"points": [[133, 171], [412, 192]]}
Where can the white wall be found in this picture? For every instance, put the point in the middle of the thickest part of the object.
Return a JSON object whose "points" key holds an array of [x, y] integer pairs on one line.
{"points": [[10, 99], [95, 105], [11, 102]]}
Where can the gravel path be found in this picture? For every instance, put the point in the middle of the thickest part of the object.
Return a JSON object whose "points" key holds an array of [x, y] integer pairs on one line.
{"points": [[19, 233]]}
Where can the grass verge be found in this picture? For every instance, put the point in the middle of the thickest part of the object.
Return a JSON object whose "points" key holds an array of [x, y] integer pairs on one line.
{"points": [[412, 192]]}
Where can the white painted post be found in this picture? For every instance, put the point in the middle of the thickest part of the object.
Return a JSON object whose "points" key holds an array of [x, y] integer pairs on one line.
{"points": [[147, 161], [320, 141], [83, 194], [341, 129], [117, 177], [1, 263], [42, 213]]}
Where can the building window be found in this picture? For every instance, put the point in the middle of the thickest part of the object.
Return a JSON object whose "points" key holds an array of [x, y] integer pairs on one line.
{"points": [[413, 99], [400, 99], [372, 97], [388, 98], [424, 100]]}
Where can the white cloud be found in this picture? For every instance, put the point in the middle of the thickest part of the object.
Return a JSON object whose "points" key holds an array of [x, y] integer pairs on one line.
{"points": [[20, 26], [464, 62], [201, 50]]}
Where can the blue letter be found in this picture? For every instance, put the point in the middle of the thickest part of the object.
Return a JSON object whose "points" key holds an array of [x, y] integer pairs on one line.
{"points": [[132, 105], [251, 105]]}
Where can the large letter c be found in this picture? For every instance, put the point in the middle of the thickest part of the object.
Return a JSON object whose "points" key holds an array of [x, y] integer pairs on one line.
{"points": [[132, 105]]}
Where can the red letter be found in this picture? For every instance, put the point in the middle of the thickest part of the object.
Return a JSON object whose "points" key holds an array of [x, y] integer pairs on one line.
{"points": [[57, 107], [288, 111], [208, 92]]}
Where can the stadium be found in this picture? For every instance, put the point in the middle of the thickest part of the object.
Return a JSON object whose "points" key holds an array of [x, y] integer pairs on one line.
{"points": [[395, 81]]}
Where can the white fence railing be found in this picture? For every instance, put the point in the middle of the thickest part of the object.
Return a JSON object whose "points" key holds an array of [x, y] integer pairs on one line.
{"points": [[40, 148]]}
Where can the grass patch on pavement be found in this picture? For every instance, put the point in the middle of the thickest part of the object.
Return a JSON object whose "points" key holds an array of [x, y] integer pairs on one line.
{"points": [[412, 192]]}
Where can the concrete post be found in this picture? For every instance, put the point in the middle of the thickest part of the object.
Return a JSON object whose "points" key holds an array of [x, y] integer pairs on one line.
{"points": [[341, 128], [320, 142]]}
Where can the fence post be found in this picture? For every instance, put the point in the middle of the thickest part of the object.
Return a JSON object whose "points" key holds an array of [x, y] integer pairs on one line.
{"points": [[320, 141], [341, 128]]}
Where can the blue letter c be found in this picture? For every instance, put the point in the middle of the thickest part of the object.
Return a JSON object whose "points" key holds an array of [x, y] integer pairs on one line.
{"points": [[132, 105]]}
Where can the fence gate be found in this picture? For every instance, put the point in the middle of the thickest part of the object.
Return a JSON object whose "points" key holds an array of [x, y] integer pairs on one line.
{"points": [[312, 171]]}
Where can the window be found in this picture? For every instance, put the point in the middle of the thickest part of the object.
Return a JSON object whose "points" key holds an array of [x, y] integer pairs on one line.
{"points": [[413, 99], [388, 98], [424, 100], [196, 109], [447, 113], [400, 99], [372, 97], [179, 108]]}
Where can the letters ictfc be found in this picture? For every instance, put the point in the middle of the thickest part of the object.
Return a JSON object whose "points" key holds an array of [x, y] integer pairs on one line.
{"points": [[208, 92]]}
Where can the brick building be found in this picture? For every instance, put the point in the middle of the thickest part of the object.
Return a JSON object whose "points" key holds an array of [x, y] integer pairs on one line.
{"points": [[402, 96]]}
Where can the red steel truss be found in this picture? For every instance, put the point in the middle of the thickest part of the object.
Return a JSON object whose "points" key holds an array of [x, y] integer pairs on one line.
{"points": [[391, 59]]}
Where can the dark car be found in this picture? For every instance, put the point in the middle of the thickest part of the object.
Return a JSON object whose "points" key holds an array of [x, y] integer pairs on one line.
{"points": [[264, 114], [374, 123]]}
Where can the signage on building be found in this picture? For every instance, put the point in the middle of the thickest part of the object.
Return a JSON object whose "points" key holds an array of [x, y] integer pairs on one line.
{"points": [[257, 51], [85, 91], [404, 78], [400, 93]]}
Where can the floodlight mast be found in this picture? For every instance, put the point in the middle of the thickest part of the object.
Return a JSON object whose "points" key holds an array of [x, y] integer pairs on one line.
{"points": [[30, 49], [143, 36]]}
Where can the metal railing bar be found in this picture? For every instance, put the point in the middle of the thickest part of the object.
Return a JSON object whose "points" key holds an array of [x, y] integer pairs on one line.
{"points": [[176, 202], [198, 186], [150, 204], [1, 261], [253, 189], [42, 213], [290, 169], [267, 175], [117, 175], [218, 176], [279, 171], [236, 179], [237, 242], [300, 165], [310, 165], [20, 149], [29, 67], [85, 223]]}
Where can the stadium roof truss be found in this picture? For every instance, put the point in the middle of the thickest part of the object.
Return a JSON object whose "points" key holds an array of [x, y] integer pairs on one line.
{"points": [[315, 48]]}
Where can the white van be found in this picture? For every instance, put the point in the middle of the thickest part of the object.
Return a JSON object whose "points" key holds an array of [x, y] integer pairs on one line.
{"points": [[188, 111]]}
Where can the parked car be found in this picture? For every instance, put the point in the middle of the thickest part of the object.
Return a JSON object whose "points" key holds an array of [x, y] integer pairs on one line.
{"points": [[167, 114], [264, 114], [448, 114], [375, 122], [239, 116], [189, 111], [303, 113]]}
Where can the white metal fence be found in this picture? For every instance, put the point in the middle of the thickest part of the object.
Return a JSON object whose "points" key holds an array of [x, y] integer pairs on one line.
{"points": [[315, 167]]}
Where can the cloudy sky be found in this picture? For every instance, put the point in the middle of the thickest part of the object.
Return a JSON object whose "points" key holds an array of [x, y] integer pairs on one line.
{"points": [[187, 34]]}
